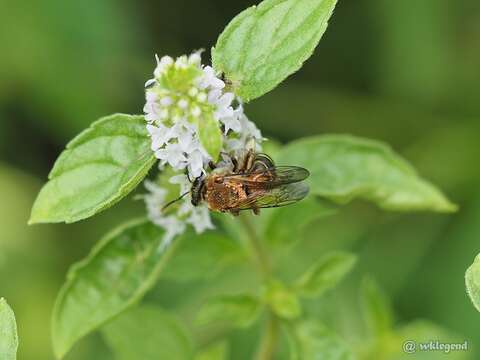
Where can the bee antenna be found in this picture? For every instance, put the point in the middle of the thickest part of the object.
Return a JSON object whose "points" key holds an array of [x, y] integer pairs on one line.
{"points": [[174, 201]]}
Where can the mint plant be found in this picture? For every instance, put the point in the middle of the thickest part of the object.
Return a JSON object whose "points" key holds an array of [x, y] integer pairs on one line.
{"points": [[193, 115], [472, 281], [385, 337], [8, 332]]}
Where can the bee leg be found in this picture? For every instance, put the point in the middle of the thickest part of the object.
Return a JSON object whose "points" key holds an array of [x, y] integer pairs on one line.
{"points": [[249, 161], [212, 165], [234, 212], [256, 211], [235, 164]]}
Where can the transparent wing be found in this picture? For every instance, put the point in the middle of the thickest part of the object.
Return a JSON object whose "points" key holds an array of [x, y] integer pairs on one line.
{"points": [[278, 196], [272, 177]]}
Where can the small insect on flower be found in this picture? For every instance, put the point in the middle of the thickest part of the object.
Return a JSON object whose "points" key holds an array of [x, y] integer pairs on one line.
{"points": [[183, 100], [251, 182]]}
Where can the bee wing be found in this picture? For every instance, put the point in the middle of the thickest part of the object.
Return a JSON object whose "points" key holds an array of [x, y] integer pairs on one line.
{"points": [[278, 196], [271, 177]]}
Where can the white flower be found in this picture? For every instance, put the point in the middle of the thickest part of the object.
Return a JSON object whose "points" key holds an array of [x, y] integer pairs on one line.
{"points": [[187, 142], [155, 201], [250, 130], [200, 219], [244, 131], [223, 105], [160, 135], [182, 104], [173, 227], [233, 122], [151, 108], [176, 223], [195, 58], [173, 155], [181, 95], [196, 163], [166, 101], [162, 64], [210, 80], [173, 112]]}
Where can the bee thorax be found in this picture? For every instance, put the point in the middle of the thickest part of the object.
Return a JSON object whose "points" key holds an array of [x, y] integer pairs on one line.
{"points": [[224, 196]]}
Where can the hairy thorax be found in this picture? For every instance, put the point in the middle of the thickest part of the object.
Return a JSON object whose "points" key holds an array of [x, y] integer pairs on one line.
{"points": [[223, 195]]}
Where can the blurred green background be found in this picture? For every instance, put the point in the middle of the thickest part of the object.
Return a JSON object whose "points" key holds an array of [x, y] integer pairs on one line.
{"points": [[404, 72]]}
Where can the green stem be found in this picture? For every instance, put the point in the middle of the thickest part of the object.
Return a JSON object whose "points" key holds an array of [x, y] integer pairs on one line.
{"points": [[261, 256], [269, 338], [266, 350]]}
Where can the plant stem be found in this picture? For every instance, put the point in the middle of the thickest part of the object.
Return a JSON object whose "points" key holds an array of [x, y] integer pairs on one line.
{"points": [[262, 259], [268, 341]]}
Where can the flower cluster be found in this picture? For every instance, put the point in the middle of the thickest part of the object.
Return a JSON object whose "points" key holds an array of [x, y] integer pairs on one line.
{"points": [[180, 96], [175, 224]]}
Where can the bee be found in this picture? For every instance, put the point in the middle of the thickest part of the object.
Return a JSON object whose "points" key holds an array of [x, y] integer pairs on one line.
{"points": [[250, 183]]}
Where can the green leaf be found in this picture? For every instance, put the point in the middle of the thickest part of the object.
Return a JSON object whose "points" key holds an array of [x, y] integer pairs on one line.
{"points": [[472, 281], [120, 269], [148, 333], [202, 256], [344, 167], [8, 332], [325, 274], [217, 351], [210, 136], [265, 44], [96, 170], [283, 301], [237, 310], [313, 341], [376, 308], [284, 225]]}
